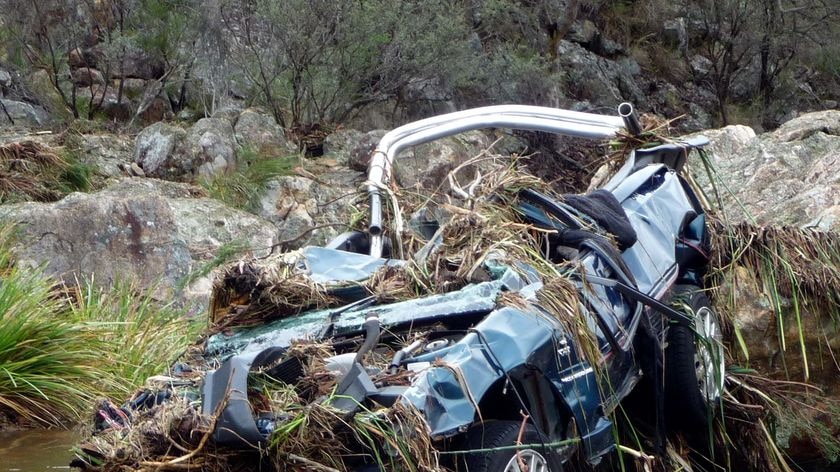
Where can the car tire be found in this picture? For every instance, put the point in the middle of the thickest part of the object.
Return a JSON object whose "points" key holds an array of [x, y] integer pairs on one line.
{"points": [[499, 434], [694, 361]]}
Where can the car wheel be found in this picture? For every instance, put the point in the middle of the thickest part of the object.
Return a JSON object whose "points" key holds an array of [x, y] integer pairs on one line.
{"points": [[493, 437], [694, 361]]}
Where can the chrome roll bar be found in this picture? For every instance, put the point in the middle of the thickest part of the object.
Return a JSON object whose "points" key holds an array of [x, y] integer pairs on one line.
{"points": [[518, 117]]}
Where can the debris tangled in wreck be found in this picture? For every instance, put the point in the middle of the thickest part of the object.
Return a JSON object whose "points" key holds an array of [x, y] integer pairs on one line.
{"points": [[287, 331]]}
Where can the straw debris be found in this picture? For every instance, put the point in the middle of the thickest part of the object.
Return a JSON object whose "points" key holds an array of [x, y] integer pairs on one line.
{"points": [[804, 262], [29, 170], [254, 291]]}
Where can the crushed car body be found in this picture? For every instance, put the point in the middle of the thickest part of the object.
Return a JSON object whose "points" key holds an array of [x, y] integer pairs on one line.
{"points": [[517, 307]]}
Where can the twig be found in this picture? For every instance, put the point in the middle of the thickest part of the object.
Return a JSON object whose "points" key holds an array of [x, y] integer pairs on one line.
{"points": [[637, 454], [311, 463], [6, 112], [178, 463], [522, 466]]}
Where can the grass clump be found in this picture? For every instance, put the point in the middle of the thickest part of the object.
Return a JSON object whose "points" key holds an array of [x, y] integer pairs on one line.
{"points": [[48, 365], [243, 187], [33, 171], [62, 348], [141, 336]]}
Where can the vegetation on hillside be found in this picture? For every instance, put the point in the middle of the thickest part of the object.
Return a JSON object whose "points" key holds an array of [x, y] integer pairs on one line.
{"points": [[324, 62]]}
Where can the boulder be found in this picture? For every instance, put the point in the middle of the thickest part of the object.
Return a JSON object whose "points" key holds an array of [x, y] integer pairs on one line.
{"points": [[256, 131], [790, 176], [5, 79], [340, 143], [597, 79], [154, 105], [674, 34], [307, 211], [86, 57], [47, 95], [139, 65], [827, 122], [700, 65], [168, 152], [428, 165], [210, 147], [361, 148], [105, 100], [787, 177], [583, 32], [22, 114], [132, 88], [86, 76], [152, 231], [229, 112], [157, 152], [154, 110], [108, 154]]}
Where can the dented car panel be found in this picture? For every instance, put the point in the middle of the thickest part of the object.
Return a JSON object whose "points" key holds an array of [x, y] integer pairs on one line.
{"points": [[504, 358]]}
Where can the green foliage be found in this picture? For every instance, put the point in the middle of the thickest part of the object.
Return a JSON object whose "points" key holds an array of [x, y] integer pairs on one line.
{"points": [[76, 177], [517, 74], [48, 367], [159, 26], [141, 336], [244, 187], [322, 60]]}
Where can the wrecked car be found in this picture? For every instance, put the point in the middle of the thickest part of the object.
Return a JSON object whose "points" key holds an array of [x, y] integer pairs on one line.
{"points": [[495, 328]]}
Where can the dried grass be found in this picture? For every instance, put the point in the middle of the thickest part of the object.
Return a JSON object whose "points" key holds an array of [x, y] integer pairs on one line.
{"points": [[254, 291], [29, 170], [805, 261]]}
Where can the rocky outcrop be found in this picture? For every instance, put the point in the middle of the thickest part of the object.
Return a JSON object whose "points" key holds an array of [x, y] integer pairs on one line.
{"points": [[340, 143], [86, 76], [22, 114], [45, 94], [311, 210], [5, 80], [598, 79], [157, 151], [428, 165], [258, 131], [109, 154], [787, 177], [152, 231], [790, 176], [210, 147]]}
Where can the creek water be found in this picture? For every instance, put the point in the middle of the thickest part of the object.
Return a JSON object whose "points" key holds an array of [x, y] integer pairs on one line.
{"points": [[36, 450]]}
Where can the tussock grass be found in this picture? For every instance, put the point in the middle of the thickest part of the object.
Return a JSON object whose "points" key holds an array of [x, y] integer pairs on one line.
{"points": [[796, 271], [61, 348], [244, 187], [141, 335], [48, 364], [32, 171]]}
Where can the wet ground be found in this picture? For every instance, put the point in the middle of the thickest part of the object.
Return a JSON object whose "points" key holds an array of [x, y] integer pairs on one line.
{"points": [[36, 450]]}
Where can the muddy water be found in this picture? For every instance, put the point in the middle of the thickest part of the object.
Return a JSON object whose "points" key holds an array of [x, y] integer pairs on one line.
{"points": [[36, 451]]}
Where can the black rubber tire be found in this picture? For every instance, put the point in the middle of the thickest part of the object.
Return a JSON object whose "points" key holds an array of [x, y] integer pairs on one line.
{"points": [[495, 434], [686, 407]]}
